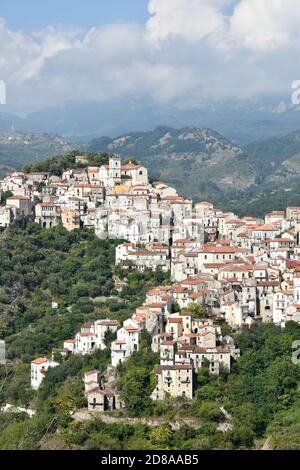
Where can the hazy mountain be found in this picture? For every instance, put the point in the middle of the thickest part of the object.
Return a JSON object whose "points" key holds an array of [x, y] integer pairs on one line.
{"points": [[17, 148], [241, 121], [277, 156], [204, 165], [198, 161], [9, 121]]}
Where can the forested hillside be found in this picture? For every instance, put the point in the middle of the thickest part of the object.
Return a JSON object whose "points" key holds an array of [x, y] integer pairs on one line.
{"points": [[76, 270], [18, 148], [199, 162], [56, 165], [204, 165]]}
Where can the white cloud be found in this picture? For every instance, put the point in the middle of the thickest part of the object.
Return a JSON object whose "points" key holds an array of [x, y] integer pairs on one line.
{"points": [[266, 24], [194, 20], [25, 55], [187, 51], [254, 24]]}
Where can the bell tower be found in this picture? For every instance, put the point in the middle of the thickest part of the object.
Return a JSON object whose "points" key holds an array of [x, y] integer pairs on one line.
{"points": [[115, 168]]}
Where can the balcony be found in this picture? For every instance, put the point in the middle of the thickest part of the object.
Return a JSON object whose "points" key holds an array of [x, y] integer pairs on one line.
{"points": [[168, 379], [185, 381]]}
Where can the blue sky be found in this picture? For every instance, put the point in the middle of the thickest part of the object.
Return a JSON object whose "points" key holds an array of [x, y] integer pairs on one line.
{"points": [[35, 14], [188, 52]]}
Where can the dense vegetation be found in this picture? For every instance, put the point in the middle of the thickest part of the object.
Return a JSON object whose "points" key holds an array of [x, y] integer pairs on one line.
{"points": [[58, 164], [40, 267], [76, 270], [263, 198], [260, 177], [257, 403], [257, 200], [18, 148], [200, 163], [260, 397], [275, 150], [261, 394]]}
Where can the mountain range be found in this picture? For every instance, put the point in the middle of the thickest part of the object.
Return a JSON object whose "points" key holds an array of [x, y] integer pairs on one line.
{"points": [[199, 162], [241, 121], [194, 160], [18, 148], [202, 164]]}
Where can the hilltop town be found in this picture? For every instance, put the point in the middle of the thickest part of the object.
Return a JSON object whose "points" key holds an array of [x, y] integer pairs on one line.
{"points": [[225, 270]]}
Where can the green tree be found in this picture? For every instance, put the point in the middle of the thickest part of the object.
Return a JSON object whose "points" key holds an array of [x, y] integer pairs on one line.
{"points": [[161, 437], [4, 196], [198, 311], [133, 385]]}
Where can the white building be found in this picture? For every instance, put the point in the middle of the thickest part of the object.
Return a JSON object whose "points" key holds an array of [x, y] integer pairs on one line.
{"points": [[174, 380], [101, 328], [39, 368], [85, 343], [126, 344], [47, 214]]}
